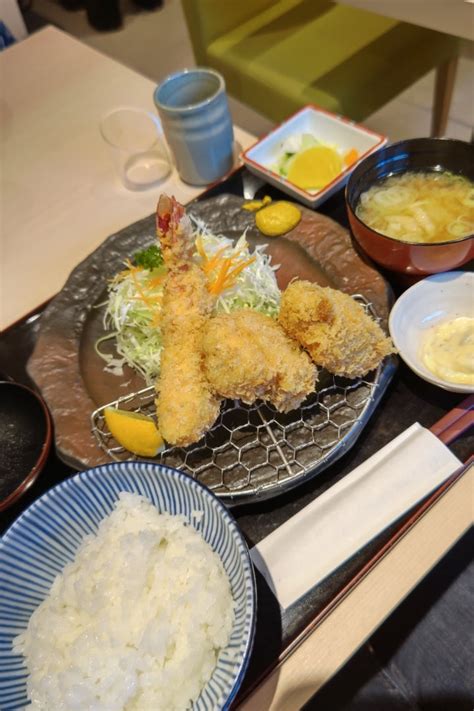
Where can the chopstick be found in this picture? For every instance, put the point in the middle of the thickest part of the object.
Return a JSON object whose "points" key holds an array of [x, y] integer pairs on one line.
{"points": [[455, 422]]}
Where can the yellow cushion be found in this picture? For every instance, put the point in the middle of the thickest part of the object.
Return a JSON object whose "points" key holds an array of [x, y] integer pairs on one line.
{"points": [[315, 51]]}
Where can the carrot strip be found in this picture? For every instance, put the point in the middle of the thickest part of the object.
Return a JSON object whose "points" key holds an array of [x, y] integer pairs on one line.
{"points": [[212, 263], [140, 290], [226, 267], [153, 283], [351, 156], [240, 267]]}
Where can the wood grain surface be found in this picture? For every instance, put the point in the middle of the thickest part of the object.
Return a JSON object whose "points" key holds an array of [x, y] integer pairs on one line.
{"points": [[61, 196]]}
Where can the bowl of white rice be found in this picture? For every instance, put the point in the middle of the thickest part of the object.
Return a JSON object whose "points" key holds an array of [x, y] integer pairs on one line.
{"points": [[127, 587]]}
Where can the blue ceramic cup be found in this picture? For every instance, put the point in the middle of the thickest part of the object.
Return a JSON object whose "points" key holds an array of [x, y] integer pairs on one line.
{"points": [[195, 116]]}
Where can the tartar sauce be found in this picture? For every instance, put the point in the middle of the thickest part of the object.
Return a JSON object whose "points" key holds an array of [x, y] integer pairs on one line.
{"points": [[448, 350]]}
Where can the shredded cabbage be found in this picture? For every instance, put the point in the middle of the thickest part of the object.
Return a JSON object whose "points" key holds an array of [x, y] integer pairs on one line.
{"points": [[134, 323], [256, 286], [133, 309]]}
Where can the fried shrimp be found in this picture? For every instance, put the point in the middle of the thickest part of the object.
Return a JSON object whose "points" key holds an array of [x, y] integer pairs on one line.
{"points": [[174, 231], [248, 357], [334, 329], [186, 407]]}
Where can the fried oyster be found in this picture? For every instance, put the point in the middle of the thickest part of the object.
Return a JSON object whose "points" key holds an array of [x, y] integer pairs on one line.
{"points": [[248, 356], [333, 328]]}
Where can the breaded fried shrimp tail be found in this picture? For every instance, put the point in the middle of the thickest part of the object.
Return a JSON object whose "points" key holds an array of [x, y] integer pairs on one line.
{"points": [[186, 407], [174, 231], [334, 329]]}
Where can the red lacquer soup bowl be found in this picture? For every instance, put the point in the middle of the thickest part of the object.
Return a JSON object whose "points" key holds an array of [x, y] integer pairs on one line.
{"points": [[417, 154]]}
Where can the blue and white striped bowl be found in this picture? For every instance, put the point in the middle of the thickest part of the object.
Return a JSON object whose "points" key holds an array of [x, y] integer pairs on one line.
{"points": [[46, 536]]}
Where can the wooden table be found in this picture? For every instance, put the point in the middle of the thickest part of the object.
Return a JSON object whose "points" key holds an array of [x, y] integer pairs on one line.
{"points": [[60, 194], [60, 201], [454, 17]]}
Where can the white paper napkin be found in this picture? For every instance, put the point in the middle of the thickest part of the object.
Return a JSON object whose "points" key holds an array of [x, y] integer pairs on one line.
{"points": [[313, 543]]}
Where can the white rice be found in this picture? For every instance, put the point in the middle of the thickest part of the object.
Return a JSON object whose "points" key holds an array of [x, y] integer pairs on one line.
{"points": [[136, 622]]}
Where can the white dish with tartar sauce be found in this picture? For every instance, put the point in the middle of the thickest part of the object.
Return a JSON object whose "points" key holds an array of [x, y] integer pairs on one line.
{"points": [[432, 327]]}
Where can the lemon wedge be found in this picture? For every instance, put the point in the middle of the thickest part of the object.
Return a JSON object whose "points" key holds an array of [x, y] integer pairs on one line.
{"points": [[315, 167], [277, 218], [134, 431]]}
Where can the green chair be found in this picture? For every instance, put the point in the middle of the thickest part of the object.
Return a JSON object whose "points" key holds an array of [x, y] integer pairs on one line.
{"points": [[278, 55]]}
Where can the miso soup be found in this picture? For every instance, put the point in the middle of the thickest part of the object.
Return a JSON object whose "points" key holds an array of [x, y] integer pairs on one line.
{"points": [[420, 207]]}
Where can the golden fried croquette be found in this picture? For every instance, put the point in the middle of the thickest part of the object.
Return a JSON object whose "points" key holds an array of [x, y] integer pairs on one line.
{"points": [[334, 329], [248, 357]]}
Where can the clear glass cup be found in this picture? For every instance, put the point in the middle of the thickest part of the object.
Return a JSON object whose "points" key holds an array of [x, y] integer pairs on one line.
{"points": [[137, 147]]}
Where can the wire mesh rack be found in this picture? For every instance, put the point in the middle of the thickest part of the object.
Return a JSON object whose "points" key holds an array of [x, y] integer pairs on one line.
{"points": [[254, 452]]}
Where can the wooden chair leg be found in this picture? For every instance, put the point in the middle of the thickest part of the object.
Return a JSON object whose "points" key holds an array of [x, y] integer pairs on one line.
{"points": [[444, 84]]}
